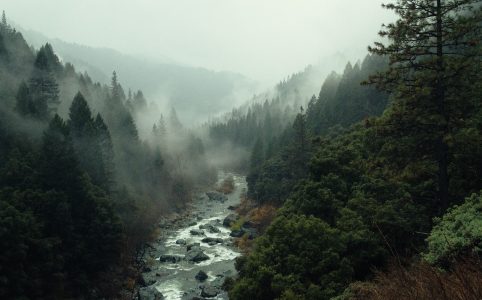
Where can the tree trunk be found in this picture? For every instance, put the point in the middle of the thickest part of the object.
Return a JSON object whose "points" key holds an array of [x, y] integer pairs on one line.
{"points": [[441, 146]]}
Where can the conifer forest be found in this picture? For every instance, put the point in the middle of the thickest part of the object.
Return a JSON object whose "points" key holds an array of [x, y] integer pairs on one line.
{"points": [[270, 149]]}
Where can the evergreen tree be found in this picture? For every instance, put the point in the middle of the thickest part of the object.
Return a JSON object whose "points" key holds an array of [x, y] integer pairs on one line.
{"points": [[174, 123], [24, 105], [431, 46], [43, 86], [300, 146], [4, 20]]}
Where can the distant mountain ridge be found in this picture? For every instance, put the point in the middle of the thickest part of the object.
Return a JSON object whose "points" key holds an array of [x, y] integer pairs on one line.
{"points": [[196, 93]]}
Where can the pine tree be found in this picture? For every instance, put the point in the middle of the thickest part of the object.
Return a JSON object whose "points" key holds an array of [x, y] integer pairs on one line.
{"points": [[43, 86], [107, 152], [4, 19], [174, 123], [24, 105], [300, 146], [431, 45]]}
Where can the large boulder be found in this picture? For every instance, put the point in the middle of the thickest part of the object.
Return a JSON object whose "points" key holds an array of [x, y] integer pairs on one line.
{"points": [[196, 255], [196, 232], [201, 275], [216, 196], [209, 291], [229, 220], [169, 258], [149, 293]]}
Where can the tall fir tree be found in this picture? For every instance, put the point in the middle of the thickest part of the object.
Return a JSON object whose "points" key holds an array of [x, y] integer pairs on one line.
{"points": [[431, 45]]}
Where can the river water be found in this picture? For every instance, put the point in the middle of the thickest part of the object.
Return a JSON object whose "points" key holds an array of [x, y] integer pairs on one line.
{"points": [[176, 280]]}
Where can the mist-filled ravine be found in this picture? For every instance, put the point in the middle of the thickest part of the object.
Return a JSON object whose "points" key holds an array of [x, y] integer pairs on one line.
{"points": [[275, 149]]}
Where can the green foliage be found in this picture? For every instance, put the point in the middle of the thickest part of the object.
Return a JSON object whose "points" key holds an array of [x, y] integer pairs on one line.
{"points": [[458, 232], [298, 254]]}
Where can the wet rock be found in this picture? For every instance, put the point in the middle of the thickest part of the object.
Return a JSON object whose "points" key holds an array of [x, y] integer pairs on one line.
{"points": [[192, 223], [197, 232], [149, 293], [196, 255], [209, 291], [147, 279], [169, 258], [209, 227], [201, 275], [229, 220], [209, 240], [237, 233], [216, 196], [233, 207], [181, 242], [193, 245]]}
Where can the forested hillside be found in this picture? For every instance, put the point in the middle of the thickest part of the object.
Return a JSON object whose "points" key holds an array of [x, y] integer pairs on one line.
{"points": [[367, 179], [80, 191]]}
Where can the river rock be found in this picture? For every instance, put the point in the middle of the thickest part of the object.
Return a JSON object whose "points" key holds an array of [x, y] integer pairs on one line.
{"points": [[201, 275], [209, 240], [216, 196], [196, 255], [181, 242], [147, 279], [193, 245], [196, 232], [169, 258], [229, 220], [209, 227], [209, 291], [150, 293], [193, 223], [237, 233]]}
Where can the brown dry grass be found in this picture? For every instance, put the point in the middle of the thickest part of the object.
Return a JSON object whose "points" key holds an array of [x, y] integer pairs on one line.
{"points": [[424, 282]]}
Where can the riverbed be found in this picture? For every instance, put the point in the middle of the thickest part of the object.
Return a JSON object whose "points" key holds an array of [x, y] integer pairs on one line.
{"points": [[172, 273]]}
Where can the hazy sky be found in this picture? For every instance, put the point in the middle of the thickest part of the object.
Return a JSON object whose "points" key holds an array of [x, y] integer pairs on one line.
{"points": [[263, 39]]}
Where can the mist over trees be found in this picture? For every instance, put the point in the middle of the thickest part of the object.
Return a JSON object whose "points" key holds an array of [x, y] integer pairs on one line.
{"points": [[370, 188], [365, 177], [75, 171]]}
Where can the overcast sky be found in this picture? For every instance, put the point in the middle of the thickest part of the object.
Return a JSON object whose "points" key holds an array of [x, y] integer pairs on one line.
{"points": [[263, 39]]}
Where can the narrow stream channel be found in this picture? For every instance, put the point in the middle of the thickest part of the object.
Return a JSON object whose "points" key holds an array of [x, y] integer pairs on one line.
{"points": [[173, 273]]}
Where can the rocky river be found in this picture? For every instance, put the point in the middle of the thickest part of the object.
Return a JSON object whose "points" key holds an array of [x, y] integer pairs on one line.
{"points": [[195, 253]]}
